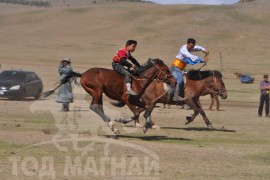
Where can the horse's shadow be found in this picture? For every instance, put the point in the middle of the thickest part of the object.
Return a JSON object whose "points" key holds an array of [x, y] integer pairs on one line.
{"points": [[153, 138], [200, 129]]}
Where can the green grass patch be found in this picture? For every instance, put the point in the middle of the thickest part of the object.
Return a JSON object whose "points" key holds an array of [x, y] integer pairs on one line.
{"points": [[78, 10], [26, 123], [199, 142], [245, 91], [9, 147], [262, 157]]}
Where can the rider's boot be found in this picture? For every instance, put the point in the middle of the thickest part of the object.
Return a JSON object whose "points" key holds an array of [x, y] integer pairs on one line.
{"points": [[176, 96], [130, 91]]}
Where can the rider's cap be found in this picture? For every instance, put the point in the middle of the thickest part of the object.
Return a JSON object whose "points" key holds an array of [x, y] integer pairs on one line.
{"points": [[67, 59], [265, 76]]}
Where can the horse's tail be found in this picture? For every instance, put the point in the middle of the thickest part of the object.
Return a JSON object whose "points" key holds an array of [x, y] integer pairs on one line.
{"points": [[118, 104], [74, 77]]}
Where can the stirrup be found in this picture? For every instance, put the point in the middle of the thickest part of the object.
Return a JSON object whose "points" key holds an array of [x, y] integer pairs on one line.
{"points": [[131, 92], [178, 98]]}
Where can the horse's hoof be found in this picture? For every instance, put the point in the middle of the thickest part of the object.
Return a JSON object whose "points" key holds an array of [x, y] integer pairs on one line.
{"points": [[188, 119], [116, 131], [155, 127], [146, 127], [138, 125], [123, 121], [210, 126], [120, 120], [111, 126]]}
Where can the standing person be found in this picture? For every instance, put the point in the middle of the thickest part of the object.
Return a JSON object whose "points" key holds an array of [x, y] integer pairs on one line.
{"points": [[264, 98], [65, 95], [183, 58], [120, 60]]}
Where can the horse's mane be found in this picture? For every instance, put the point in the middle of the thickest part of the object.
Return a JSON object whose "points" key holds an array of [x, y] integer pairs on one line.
{"points": [[198, 74], [148, 64]]}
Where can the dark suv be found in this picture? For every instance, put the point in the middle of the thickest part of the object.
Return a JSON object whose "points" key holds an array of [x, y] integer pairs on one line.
{"points": [[19, 84]]}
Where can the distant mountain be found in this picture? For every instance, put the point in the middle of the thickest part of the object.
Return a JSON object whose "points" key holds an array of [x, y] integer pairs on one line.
{"points": [[48, 3], [246, 0]]}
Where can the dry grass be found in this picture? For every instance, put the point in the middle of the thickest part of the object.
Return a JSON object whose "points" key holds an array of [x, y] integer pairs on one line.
{"points": [[36, 38]]}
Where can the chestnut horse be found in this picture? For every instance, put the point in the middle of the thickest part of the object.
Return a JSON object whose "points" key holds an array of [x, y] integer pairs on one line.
{"points": [[198, 83], [97, 81]]}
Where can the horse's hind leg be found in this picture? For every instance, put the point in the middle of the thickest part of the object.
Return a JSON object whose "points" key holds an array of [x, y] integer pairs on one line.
{"points": [[97, 107]]}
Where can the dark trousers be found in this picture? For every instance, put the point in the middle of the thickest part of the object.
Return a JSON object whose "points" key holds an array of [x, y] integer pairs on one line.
{"points": [[264, 98], [120, 69]]}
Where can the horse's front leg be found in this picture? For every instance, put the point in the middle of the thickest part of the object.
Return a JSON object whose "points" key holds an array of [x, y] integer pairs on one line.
{"points": [[192, 104], [205, 118], [147, 116], [136, 111], [212, 102], [217, 100], [136, 119]]}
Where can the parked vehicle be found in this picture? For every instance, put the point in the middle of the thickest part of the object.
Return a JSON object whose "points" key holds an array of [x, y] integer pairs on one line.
{"points": [[18, 84], [246, 78]]}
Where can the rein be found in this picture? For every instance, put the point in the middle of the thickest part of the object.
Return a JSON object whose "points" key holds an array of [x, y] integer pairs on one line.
{"points": [[146, 78], [219, 91], [161, 72]]}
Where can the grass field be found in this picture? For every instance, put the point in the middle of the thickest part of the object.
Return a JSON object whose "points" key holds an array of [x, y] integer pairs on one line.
{"points": [[39, 142]]}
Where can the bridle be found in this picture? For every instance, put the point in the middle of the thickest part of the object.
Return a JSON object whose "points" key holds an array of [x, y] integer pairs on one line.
{"points": [[160, 71], [219, 90]]}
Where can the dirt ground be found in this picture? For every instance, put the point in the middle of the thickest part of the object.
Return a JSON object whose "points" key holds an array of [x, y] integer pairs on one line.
{"points": [[39, 142]]}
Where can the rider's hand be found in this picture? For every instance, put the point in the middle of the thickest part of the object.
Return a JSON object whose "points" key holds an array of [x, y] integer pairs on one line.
{"points": [[132, 68], [205, 59], [206, 52]]}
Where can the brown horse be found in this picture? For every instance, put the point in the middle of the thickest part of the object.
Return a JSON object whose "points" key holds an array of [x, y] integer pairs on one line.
{"points": [[198, 83], [97, 81]]}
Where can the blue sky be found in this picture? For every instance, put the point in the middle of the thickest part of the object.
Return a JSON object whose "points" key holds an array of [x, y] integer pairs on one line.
{"points": [[210, 2]]}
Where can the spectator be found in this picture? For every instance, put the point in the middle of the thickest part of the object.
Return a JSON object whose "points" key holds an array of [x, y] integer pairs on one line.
{"points": [[264, 98], [65, 95]]}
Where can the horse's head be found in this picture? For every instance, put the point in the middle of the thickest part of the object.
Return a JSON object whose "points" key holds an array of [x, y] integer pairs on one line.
{"points": [[211, 80], [161, 71], [219, 85]]}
